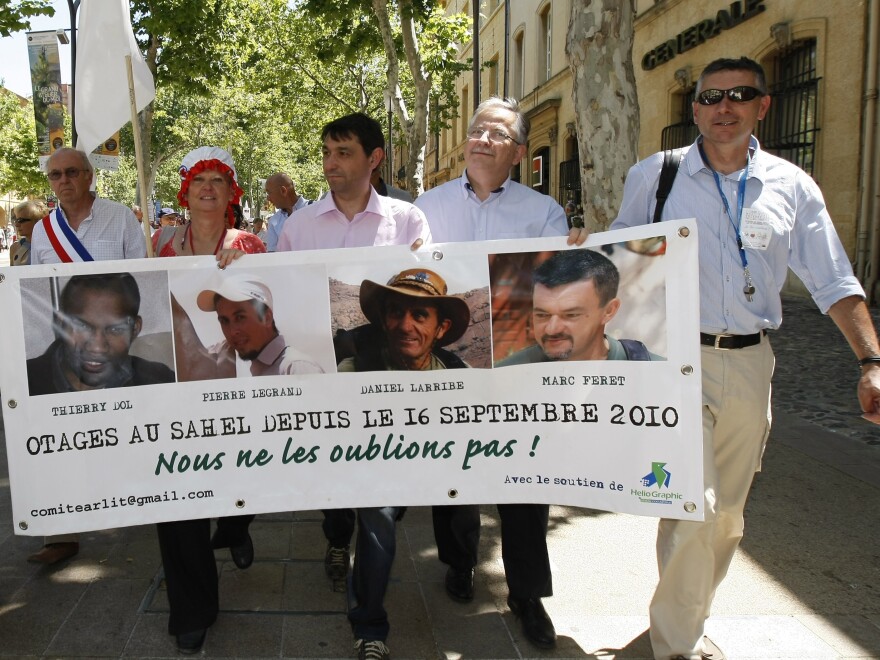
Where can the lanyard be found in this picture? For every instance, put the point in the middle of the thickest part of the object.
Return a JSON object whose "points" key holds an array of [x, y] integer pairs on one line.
{"points": [[749, 288]]}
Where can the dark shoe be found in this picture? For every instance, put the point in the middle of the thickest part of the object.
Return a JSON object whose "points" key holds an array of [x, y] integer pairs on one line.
{"points": [[54, 552], [336, 561], [536, 624], [191, 643], [460, 584], [372, 649], [243, 555]]}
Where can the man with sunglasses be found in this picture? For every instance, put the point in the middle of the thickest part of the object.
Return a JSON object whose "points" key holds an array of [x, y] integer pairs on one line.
{"points": [[24, 217], [83, 227], [758, 215]]}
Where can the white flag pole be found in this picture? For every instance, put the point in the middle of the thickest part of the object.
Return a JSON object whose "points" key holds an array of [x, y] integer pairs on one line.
{"points": [[146, 207]]}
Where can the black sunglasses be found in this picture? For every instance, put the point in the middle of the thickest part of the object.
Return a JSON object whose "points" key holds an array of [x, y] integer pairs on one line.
{"points": [[741, 94]]}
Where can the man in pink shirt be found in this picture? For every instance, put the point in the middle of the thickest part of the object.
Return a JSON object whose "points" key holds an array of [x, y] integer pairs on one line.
{"points": [[353, 214]]}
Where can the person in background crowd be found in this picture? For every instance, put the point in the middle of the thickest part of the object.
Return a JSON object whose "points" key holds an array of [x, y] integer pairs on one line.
{"points": [[282, 193], [24, 217], [387, 190]]}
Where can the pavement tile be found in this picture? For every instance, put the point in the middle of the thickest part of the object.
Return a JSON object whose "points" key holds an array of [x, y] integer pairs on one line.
{"points": [[150, 638], [317, 636], [255, 589], [34, 613], [850, 636], [102, 620], [245, 636], [411, 635], [766, 637], [307, 589]]}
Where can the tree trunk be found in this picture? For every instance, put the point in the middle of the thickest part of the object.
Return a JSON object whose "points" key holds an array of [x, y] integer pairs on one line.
{"points": [[417, 130], [415, 127], [599, 48]]}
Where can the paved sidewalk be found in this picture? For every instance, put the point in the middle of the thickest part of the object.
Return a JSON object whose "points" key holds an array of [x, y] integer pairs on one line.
{"points": [[806, 584]]}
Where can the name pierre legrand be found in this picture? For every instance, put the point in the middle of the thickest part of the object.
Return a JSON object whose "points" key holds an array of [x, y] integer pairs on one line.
{"points": [[255, 393]]}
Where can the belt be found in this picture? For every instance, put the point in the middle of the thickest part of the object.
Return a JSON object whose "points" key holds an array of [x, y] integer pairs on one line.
{"points": [[727, 342]]}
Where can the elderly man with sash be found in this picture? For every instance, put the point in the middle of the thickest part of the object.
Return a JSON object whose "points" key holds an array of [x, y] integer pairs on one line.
{"points": [[83, 227]]}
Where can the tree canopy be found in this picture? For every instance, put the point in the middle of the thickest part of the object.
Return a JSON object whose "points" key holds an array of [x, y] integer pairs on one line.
{"points": [[15, 15]]}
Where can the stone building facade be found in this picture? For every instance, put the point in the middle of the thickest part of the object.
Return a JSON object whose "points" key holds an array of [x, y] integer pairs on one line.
{"points": [[821, 60]]}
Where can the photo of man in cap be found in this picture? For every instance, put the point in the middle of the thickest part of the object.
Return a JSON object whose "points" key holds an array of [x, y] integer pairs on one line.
{"points": [[244, 307]]}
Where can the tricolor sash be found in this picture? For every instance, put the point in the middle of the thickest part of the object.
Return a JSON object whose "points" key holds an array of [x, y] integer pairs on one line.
{"points": [[64, 241]]}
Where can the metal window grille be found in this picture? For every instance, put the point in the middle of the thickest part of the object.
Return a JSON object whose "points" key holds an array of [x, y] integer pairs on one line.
{"points": [[790, 127], [684, 132], [569, 181]]}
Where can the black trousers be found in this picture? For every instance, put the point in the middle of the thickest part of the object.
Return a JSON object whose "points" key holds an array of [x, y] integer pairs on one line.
{"points": [[523, 544], [338, 526], [191, 571]]}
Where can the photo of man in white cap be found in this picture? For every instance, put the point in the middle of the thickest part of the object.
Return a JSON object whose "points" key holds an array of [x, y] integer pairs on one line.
{"points": [[244, 308]]}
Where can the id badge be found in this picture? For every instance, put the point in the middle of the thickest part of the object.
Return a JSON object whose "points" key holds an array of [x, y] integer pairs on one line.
{"points": [[755, 229]]}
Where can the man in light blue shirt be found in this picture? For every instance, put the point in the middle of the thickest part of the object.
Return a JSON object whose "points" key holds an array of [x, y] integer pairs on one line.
{"points": [[757, 215], [282, 193], [485, 204]]}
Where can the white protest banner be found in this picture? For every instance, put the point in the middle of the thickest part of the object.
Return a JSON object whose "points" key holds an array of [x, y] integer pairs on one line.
{"points": [[178, 432]]}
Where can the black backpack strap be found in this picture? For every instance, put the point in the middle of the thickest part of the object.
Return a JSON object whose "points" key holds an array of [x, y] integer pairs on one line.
{"points": [[671, 161], [634, 349]]}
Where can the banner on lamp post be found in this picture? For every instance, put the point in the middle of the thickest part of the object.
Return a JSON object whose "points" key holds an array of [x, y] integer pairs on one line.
{"points": [[47, 93]]}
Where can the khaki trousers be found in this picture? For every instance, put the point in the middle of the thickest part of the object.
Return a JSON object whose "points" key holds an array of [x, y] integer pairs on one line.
{"points": [[693, 557]]}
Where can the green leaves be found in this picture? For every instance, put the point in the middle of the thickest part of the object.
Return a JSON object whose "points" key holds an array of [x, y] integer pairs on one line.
{"points": [[15, 16]]}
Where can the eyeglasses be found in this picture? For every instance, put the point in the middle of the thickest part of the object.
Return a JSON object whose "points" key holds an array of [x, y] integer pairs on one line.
{"points": [[70, 173], [18, 221], [741, 94], [496, 135]]}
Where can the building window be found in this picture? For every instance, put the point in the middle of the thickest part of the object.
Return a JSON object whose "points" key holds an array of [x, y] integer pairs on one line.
{"points": [[518, 66], [465, 113], [790, 127], [545, 46], [683, 132], [492, 87], [569, 196], [540, 177]]}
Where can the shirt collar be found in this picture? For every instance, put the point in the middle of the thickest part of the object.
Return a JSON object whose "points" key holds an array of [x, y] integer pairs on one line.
{"points": [[468, 189], [694, 162], [272, 351], [374, 204]]}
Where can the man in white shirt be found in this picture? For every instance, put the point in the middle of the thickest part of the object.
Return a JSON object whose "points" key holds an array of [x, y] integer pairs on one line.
{"points": [[83, 227]]}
